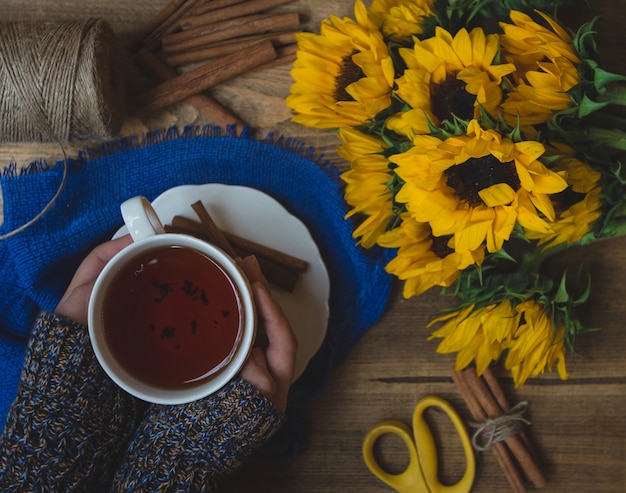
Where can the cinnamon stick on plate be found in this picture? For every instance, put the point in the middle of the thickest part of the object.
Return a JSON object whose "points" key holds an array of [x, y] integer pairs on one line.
{"points": [[214, 231], [239, 244], [278, 257], [209, 75], [280, 269]]}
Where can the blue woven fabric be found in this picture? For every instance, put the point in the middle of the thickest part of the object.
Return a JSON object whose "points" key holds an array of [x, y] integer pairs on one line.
{"points": [[37, 264]]}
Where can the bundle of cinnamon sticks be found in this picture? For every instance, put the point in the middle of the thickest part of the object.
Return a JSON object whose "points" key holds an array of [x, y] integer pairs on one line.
{"points": [[222, 39], [486, 400], [281, 269]]}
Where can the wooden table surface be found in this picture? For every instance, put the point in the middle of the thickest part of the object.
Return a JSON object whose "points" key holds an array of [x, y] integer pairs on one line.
{"points": [[578, 425]]}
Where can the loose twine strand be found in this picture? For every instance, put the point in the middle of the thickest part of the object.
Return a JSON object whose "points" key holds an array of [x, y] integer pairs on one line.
{"points": [[498, 429], [61, 81]]}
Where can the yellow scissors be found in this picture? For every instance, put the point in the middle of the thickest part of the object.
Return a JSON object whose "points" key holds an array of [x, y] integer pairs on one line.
{"points": [[421, 474]]}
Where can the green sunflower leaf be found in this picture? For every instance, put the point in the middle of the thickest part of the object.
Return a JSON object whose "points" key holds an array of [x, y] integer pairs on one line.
{"points": [[561, 295], [587, 106], [603, 77]]}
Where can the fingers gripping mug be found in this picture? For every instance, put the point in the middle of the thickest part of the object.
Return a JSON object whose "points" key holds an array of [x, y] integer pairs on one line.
{"points": [[171, 317]]}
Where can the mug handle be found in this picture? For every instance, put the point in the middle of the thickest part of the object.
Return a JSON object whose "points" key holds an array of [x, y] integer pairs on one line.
{"points": [[140, 218]]}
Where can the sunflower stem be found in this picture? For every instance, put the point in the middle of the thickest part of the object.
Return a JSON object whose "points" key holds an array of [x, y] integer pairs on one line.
{"points": [[598, 136], [614, 94], [605, 120], [532, 261], [616, 227]]}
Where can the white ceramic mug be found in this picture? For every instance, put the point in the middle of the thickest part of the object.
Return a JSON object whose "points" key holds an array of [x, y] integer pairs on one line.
{"points": [[163, 335]]}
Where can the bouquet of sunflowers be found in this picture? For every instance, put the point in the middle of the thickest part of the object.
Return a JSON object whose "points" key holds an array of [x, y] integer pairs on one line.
{"points": [[478, 148]]}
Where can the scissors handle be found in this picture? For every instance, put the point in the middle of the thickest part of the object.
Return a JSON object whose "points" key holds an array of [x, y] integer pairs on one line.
{"points": [[408, 481], [421, 475], [427, 450]]}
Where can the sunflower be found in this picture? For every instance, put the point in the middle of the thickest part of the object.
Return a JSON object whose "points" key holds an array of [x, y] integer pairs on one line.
{"points": [[449, 76], [524, 331], [343, 76], [476, 335], [476, 187], [422, 260], [537, 344], [577, 207], [546, 69], [367, 183], [400, 19]]}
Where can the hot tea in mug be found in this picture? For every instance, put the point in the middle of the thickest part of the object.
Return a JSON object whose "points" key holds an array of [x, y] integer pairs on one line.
{"points": [[172, 316]]}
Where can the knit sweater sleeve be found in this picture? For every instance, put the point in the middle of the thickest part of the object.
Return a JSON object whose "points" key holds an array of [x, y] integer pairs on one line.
{"points": [[189, 447], [69, 423]]}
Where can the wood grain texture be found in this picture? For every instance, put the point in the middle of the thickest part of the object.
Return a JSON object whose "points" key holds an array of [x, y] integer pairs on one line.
{"points": [[578, 425]]}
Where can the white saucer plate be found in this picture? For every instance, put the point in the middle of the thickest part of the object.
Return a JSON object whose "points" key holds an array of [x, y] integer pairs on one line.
{"points": [[254, 215]]}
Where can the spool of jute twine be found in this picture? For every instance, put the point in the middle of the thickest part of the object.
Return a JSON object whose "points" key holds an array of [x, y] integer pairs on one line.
{"points": [[60, 81]]}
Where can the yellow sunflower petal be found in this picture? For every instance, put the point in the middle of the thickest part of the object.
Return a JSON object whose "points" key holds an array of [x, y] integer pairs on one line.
{"points": [[498, 194]]}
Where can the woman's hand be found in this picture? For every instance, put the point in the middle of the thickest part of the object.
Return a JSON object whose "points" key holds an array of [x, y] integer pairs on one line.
{"points": [[271, 365], [75, 301]]}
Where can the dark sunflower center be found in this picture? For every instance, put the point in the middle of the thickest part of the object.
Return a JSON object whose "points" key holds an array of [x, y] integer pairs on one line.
{"points": [[476, 174], [350, 72], [450, 98], [440, 246]]}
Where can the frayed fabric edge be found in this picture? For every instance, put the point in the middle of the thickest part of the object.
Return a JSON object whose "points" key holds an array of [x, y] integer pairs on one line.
{"points": [[153, 137]]}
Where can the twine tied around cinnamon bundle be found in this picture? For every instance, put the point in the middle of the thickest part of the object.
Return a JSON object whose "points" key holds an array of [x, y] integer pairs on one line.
{"points": [[60, 81], [494, 430]]}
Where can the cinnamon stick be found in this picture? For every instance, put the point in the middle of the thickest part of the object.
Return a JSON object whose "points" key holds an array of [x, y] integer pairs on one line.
{"points": [[501, 452], [213, 5], [180, 36], [164, 22], [182, 224], [204, 103], [227, 47], [166, 12], [492, 382], [515, 443], [284, 55], [153, 41], [279, 275], [281, 258], [254, 24], [239, 10], [208, 75], [209, 224], [240, 244]]}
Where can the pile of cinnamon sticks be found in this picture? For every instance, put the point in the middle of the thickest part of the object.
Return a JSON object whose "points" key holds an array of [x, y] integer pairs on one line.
{"points": [[222, 39], [485, 399], [281, 269]]}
